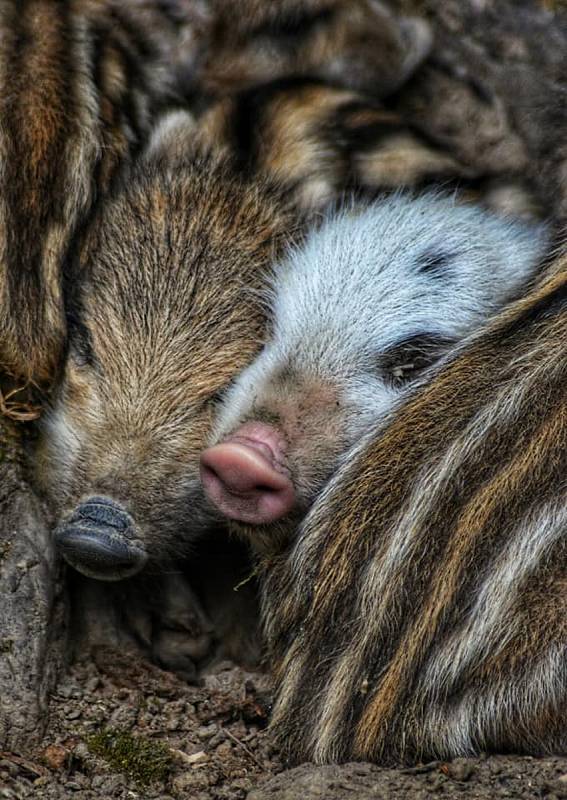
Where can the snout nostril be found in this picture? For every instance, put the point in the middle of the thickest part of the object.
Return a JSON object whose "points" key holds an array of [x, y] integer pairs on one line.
{"points": [[103, 511], [208, 469], [244, 484], [99, 553]]}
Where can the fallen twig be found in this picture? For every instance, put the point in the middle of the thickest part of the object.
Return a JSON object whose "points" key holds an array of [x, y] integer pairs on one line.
{"points": [[243, 746]]}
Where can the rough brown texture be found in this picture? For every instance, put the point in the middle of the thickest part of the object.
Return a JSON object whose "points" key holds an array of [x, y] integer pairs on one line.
{"points": [[203, 741], [32, 633], [478, 779]]}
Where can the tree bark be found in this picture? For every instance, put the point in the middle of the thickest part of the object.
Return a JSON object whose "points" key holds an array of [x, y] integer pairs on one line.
{"points": [[32, 618]]}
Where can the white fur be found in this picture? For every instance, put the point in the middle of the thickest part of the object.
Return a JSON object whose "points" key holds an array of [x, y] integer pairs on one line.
{"points": [[354, 289]]}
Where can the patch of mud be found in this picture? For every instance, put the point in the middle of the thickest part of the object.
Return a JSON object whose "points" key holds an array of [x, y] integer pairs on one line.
{"points": [[121, 728]]}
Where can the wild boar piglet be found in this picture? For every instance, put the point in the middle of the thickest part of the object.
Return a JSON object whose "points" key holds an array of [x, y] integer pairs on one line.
{"points": [[161, 316], [372, 299]]}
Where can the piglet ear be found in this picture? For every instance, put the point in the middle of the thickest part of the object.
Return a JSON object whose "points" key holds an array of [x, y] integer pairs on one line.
{"points": [[173, 137], [417, 36]]}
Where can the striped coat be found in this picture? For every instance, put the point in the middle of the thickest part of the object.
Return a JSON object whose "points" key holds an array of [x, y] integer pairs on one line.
{"points": [[422, 610], [80, 83]]}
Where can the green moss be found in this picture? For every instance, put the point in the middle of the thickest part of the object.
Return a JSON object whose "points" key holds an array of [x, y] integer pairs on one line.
{"points": [[6, 646], [5, 548], [142, 760]]}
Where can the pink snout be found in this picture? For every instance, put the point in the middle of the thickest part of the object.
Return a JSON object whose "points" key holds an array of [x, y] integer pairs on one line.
{"points": [[244, 476]]}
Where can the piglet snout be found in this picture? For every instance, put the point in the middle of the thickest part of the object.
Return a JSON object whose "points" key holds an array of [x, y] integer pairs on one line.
{"points": [[245, 478], [99, 539]]}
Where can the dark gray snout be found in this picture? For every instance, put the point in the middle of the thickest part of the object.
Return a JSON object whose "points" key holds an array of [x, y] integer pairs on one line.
{"points": [[99, 539]]}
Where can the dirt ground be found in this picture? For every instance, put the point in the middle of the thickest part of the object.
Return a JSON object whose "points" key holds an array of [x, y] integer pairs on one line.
{"points": [[121, 728]]}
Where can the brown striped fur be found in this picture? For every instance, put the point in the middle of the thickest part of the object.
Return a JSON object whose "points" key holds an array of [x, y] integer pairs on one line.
{"points": [[80, 84], [293, 89], [422, 611], [357, 44], [273, 109], [318, 141]]}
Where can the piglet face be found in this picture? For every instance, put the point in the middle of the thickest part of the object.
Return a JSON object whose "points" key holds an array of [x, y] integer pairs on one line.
{"points": [[164, 313], [271, 456], [283, 432]]}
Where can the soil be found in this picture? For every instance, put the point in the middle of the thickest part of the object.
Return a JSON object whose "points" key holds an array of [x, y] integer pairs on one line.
{"points": [[122, 728]]}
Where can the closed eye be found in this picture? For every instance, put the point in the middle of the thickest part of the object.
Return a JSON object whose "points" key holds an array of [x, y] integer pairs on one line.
{"points": [[81, 346], [217, 397], [408, 358]]}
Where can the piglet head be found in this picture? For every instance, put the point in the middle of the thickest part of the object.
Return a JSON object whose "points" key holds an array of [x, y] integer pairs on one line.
{"points": [[279, 436]]}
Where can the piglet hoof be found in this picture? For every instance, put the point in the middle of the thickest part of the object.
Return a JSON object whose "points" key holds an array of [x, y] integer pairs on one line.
{"points": [[98, 540], [183, 637], [178, 652]]}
